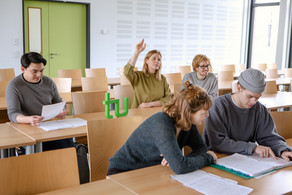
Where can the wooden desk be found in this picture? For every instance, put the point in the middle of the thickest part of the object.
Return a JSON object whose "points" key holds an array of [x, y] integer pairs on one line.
{"points": [[114, 81], [11, 137], [156, 180], [277, 100], [76, 85], [281, 81], [225, 85], [40, 135], [132, 112], [105, 186]]}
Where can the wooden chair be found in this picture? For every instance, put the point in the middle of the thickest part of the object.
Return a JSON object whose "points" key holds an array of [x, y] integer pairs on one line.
{"points": [[262, 67], [105, 137], [175, 88], [63, 84], [225, 75], [39, 172], [228, 67], [7, 74], [122, 91], [94, 83], [272, 73], [3, 85], [88, 102], [271, 87], [95, 72], [173, 78], [75, 74], [123, 79], [225, 78], [283, 123], [183, 70], [288, 72]]}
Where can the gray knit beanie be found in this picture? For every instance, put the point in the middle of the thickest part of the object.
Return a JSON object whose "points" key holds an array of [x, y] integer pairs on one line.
{"points": [[252, 80]]}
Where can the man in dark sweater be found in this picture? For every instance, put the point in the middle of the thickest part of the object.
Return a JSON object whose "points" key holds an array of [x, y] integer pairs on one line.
{"points": [[238, 123], [29, 91]]}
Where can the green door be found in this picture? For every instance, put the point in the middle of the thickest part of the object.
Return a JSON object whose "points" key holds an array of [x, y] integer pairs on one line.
{"points": [[63, 30]]}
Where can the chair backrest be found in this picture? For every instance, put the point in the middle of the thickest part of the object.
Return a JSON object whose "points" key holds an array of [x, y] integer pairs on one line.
{"points": [[94, 83], [183, 70], [173, 78], [123, 79], [283, 123], [175, 88], [105, 137], [288, 72], [63, 84], [262, 67], [88, 101], [225, 75], [228, 67], [272, 73], [3, 85], [39, 172], [271, 87], [95, 72], [122, 91], [7, 74], [75, 74]]}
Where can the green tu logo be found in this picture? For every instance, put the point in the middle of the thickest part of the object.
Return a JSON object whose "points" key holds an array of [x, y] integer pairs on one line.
{"points": [[107, 102]]}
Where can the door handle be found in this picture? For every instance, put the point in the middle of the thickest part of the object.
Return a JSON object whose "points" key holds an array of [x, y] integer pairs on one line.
{"points": [[53, 54]]}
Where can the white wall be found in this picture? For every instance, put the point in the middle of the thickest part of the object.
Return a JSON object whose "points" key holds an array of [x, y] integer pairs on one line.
{"points": [[213, 21]]}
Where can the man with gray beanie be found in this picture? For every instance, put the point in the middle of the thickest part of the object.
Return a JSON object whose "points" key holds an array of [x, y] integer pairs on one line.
{"points": [[238, 123]]}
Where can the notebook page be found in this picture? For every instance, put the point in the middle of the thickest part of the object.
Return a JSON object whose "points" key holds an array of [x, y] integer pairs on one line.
{"points": [[244, 164]]}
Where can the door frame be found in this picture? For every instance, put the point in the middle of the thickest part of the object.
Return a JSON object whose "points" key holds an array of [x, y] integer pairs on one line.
{"points": [[87, 26]]}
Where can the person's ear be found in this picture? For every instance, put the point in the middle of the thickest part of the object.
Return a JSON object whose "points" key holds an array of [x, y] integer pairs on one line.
{"points": [[22, 69]]}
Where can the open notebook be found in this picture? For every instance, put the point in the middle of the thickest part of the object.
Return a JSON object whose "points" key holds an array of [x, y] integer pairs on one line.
{"points": [[251, 166], [62, 124]]}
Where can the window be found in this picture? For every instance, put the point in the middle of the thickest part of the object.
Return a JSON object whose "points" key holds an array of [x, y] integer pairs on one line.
{"points": [[264, 32]]}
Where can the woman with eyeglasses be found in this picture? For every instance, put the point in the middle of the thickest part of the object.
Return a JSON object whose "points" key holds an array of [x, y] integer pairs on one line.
{"points": [[201, 75], [150, 86], [161, 137]]}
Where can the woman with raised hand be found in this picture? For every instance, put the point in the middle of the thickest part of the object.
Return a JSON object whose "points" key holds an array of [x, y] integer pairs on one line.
{"points": [[150, 86], [160, 138]]}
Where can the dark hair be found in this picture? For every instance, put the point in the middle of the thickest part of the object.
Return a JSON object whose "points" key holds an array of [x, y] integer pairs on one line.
{"points": [[32, 57], [189, 100]]}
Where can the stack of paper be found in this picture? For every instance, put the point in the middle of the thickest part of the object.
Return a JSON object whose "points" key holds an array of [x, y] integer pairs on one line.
{"points": [[252, 165], [208, 183], [62, 124]]}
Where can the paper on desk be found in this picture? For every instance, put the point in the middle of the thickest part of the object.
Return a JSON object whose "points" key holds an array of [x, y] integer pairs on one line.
{"points": [[208, 183], [62, 124], [52, 110]]}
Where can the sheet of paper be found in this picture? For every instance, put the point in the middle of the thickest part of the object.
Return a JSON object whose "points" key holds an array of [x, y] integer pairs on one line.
{"points": [[52, 110], [62, 124], [208, 183]]}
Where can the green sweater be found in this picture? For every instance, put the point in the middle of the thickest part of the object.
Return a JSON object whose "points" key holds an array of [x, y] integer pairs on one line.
{"points": [[147, 89]]}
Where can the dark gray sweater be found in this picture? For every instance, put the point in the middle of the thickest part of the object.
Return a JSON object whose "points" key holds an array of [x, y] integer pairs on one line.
{"points": [[155, 136], [230, 129], [27, 98]]}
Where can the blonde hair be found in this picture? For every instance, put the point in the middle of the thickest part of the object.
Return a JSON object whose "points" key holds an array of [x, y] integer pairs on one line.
{"points": [[189, 100], [198, 59], [145, 68]]}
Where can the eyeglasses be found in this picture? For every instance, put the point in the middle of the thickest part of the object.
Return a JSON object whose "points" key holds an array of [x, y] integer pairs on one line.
{"points": [[207, 66]]}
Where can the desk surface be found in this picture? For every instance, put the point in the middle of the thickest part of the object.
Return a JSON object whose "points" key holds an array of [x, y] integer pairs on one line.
{"points": [[11, 137], [156, 179], [224, 85], [40, 135], [277, 100], [98, 187]]}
